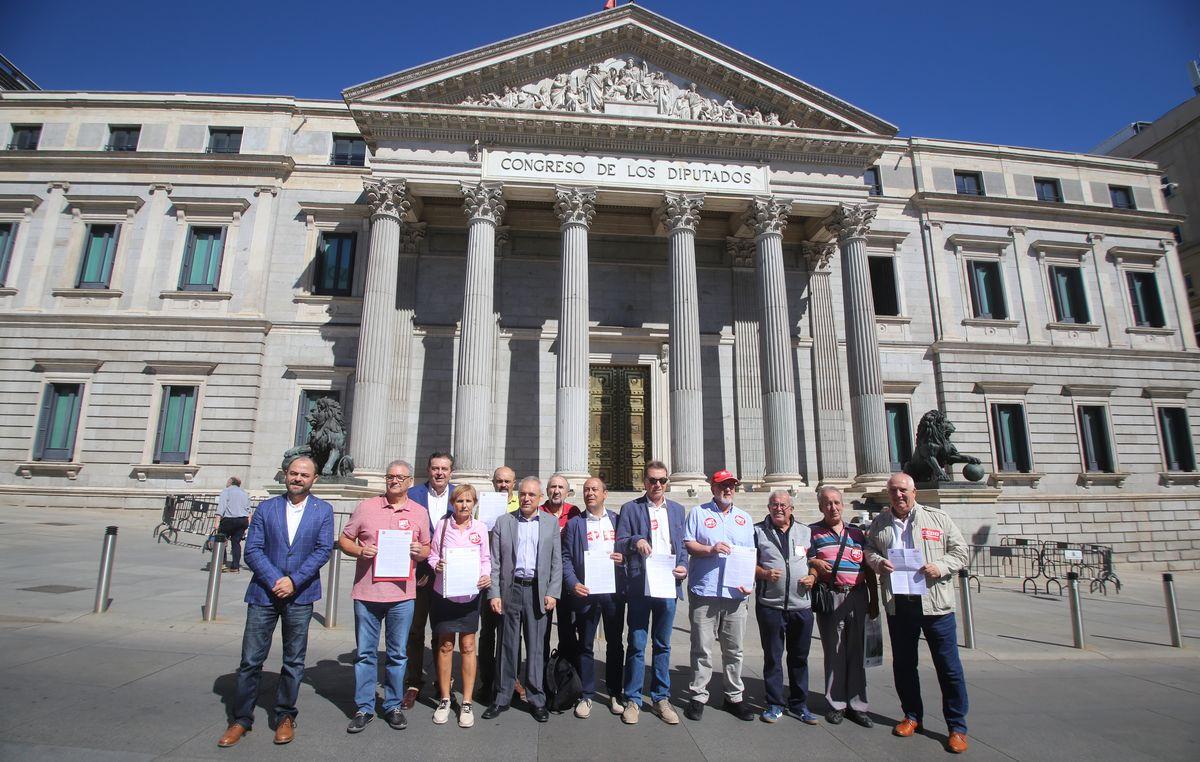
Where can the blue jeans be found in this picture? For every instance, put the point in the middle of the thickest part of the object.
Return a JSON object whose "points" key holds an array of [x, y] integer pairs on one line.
{"points": [[640, 609], [941, 632], [368, 618], [256, 645]]}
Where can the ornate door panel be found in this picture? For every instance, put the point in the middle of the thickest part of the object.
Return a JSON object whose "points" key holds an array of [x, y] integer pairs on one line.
{"points": [[619, 435]]}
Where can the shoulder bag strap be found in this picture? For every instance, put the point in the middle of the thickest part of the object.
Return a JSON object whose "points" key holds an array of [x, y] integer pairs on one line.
{"points": [[838, 560]]}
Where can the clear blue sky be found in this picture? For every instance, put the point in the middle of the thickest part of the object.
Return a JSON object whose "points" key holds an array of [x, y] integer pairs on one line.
{"points": [[1062, 74]]}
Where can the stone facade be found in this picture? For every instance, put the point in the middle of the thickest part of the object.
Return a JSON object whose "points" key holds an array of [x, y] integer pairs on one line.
{"points": [[503, 248]]}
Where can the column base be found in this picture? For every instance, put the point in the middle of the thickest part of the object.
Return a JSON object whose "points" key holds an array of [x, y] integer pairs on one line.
{"points": [[789, 482], [575, 480], [872, 486], [688, 484], [478, 479]]}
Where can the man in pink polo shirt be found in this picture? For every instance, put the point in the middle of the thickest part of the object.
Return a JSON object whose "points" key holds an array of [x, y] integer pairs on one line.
{"points": [[380, 600]]}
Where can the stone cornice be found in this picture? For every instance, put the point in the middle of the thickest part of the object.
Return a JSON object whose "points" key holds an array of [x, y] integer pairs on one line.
{"points": [[1025, 210], [18, 203], [231, 208], [66, 365], [330, 210], [934, 146], [1059, 351], [180, 367], [117, 206], [173, 101], [157, 163]]}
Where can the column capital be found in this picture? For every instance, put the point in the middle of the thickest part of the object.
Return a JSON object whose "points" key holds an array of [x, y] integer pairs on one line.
{"points": [[503, 240], [483, 201], [817, 255], [850, 221], [740, 252], [574, 205], [679, 211], [410, 237], [388, 197], [766, 215]]}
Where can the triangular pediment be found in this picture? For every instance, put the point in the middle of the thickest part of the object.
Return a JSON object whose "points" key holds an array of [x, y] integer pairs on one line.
{"points": [[626, 61]]}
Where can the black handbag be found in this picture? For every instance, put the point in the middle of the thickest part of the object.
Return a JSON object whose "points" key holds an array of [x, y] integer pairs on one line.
{"points": [[822, 593]]}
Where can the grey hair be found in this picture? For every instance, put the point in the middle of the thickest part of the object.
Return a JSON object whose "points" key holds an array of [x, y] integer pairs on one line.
{"points": [[781, 493], [398, 462], [826, 490], [530, 479], [559, 476]]}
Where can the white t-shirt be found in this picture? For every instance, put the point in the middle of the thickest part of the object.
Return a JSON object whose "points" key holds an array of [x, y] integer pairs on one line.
{"points": [[294, 514], [660, 529], [438, 504], [600, 534]]}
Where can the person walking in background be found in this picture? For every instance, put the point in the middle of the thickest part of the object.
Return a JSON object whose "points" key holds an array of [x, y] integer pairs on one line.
{"points": [[233, 511]]}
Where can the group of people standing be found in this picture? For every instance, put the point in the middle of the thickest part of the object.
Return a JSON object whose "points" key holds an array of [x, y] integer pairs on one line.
{"points": [[533, 563]]}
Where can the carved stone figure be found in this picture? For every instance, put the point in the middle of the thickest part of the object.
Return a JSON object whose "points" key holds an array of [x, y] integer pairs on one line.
{"points": [[935, 452], [594, 86], [326, 440]]}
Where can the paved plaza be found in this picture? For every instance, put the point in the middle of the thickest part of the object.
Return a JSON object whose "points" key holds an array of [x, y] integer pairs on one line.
{"points": [[149, 679]]}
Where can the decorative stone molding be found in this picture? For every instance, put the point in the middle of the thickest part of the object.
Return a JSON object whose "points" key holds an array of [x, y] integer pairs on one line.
{"points": [[503, 241], [17, 204], [1088, 479], [818, 255], [1087, 390], [900, 388], [679, 211], [388, 197], [144, 471], [318, 372], [1015, 479], [180, 368], [195, 296], [33, 468], [1135, 255], [766, 215], [740, 252], [483, 201], [850, 221], [1179, 478], [66, 365], [1012, 388], [411, 236], [1166, 392], [575, 206], [219, 208]]}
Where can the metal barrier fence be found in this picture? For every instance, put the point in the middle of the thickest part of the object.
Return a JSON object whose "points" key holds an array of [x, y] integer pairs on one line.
{"points": [[189, 521], [1043, 564]]}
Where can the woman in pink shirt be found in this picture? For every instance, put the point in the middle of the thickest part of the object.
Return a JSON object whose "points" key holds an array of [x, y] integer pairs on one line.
{"points": [[457, 614]]}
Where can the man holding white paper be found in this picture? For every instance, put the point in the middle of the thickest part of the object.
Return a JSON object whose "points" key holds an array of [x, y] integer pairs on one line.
{"points": [[504, 482], [720, 539], [593, 583], [927, 536]]}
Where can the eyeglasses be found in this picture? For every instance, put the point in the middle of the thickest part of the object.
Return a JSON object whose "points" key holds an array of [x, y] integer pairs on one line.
{"points": [[727, 486], [391, 478], [657, 480], [778, 505]]}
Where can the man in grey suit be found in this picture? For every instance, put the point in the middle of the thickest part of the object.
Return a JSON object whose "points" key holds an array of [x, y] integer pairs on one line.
{"points": [[526, 578]]}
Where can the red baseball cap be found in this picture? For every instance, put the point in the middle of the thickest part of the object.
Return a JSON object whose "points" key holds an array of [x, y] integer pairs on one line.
{"points": [[723, 476]]}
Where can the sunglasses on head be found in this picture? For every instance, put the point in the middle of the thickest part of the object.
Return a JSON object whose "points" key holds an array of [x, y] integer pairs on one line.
{"points": [[657, 480]]}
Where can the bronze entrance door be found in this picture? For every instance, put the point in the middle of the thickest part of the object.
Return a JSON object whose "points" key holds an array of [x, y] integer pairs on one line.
{"points": [[619, 435]]}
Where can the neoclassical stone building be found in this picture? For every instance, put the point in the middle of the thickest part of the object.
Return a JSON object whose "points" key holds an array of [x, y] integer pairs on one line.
{"points": [[603, 241]]}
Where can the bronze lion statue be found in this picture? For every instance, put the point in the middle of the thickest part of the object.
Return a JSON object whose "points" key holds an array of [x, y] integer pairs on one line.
{"points": [[934, 452], [326, 440]]}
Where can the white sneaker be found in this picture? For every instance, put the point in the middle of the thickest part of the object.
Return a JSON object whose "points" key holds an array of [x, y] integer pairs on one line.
{"points": [[615, 706], [466, 718], [442, 713], [583, 708]]}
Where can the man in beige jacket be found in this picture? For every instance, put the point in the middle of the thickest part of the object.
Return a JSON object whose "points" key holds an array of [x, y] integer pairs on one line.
{"points": [[906, 524]]}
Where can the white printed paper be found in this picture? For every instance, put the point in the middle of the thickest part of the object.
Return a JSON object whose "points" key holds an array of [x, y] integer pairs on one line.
{"points": [[461, 575], [492, 505], [392, 559], [739, 566], [907, 579], [600, 573], [660, 576]]}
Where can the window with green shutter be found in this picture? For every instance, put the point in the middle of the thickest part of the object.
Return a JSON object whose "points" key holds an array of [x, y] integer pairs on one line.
{"points": [[202, 259], [176, 418], [57, 422], [99, 250], [1070, 304], [899, 434], [1096, 444], [334, 267], [1144, 299], [1177, 439], [8, 231], [1012, 438], [987, 292]]}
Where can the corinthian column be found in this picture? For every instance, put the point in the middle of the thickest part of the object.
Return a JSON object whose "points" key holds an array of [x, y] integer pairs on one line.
{"points": [[401, 434], [826, 367], [850, 223], [376, 367], [767, 217], [575, 208], [484, 206], [679, 215]]}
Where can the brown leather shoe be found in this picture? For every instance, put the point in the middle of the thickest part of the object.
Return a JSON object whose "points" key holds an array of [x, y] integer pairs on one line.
{"points": [[410, 699], [906, 728], [957, 743], [233, 734], [285, 731]]}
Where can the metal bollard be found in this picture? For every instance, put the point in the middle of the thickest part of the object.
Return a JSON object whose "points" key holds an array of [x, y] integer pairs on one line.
{"points": [[1076, 609], [331, 597], [1172, 610], [964, 593], [104, 580], [214, 578]]}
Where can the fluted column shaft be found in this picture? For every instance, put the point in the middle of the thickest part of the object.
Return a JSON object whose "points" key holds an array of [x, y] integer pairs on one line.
{"points": [[850, 224], [826, 367], [767, 217], [680, 215], [575, 208], [401, 435], [484, 206], [376, 366]]}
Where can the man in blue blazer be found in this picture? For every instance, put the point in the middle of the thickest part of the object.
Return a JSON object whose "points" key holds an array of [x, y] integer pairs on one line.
{"points": [[650, 525], [289, 540], [434, 495]]}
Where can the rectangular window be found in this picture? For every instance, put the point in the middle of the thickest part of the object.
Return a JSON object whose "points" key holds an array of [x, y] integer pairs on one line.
{"points": [[883, 285], [224, 139], [57, 422], [348, 151], [987, 292], [1066, 286], [968, 183], [1012, 438], [123, 138], [1177, 439], [176, 417], [8, 232], [899, 434], [308, 400], [1122, 197], [25, 137], [1097, 447], [871, 180], [334, 267], [1048, 189], [202, 259], [99, 249], [1143, 298]]}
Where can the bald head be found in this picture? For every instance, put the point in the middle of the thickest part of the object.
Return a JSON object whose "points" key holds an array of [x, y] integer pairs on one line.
{"points": [[504, 479], [902, 493]]}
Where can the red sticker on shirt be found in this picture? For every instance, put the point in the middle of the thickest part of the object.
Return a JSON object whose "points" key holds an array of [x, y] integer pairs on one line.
{"points": [[741, 520], [404, 524], [654, 524], [931, 534], [710, 522], [474, 537], [855, 555], [610, 535]]}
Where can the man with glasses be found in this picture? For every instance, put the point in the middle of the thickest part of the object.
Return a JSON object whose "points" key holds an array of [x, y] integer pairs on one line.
{"points": [[717, 609], [650, 525], [378, 601]]}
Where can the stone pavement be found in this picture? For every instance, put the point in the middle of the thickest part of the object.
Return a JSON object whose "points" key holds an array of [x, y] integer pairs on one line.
{"points": [[148, 679]]}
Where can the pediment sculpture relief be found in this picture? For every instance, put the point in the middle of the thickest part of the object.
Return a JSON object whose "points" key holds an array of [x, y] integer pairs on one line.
{"points": [[625, 81]]}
